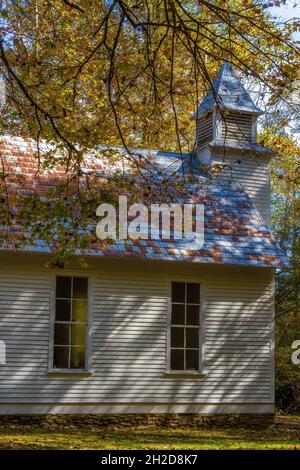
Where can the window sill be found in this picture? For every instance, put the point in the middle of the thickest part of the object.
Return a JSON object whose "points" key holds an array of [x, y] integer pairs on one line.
{"points": [[186, 375], [80, 372]]}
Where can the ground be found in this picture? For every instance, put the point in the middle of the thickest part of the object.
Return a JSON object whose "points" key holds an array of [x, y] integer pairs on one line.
{"points": [[284, 434]]}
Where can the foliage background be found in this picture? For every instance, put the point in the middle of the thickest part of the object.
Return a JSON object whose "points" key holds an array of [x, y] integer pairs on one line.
{"points": [[286, 227]]}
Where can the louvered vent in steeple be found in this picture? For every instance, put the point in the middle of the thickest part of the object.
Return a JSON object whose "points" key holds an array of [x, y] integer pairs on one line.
{"points": [[237, 126], [205, 128]]}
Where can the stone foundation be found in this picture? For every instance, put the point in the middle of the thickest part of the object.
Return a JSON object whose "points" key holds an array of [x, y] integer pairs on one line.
{"points": [[123, 421]]}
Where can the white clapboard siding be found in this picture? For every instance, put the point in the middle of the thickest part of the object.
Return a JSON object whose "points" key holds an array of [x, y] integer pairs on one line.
{"points": [[253, 172], [129, 337]]}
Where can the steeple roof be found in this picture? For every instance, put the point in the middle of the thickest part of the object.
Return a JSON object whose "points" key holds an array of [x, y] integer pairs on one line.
{"points": [[228, 93]]}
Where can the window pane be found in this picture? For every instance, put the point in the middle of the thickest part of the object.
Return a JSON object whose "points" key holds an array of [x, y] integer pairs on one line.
{"points": [[192, 315], [63, 287], [193, 293], [63, 310], [177, 337], [177, 314], [77, 358], [177, 359], [178, 292], [192, 359], [192, 337], [61, 334], [79, 310], [61, 357], [77, 333], [80, 287]]}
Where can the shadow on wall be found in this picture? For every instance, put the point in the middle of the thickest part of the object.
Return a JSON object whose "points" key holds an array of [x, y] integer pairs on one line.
{"points": [[129, 347]]}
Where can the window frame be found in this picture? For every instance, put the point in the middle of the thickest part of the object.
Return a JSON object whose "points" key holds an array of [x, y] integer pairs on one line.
{"points": [[88, 356], [202, 368]]}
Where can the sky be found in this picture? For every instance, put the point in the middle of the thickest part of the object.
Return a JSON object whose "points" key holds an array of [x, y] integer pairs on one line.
{"points": [[290, 10]]}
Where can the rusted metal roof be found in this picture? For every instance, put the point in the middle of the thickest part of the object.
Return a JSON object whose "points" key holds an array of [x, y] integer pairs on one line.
{"points": [[234, 231]]}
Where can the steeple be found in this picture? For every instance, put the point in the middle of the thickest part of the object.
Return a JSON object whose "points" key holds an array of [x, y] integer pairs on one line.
{"points": [[227, 112], [226, 135]]}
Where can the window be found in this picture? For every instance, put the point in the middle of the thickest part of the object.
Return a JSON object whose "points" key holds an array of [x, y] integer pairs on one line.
{"points": [[185, 327], [70, 325]]}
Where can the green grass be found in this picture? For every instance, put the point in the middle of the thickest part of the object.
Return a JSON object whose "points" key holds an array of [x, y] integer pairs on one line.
{"points": [[285, 434]]}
